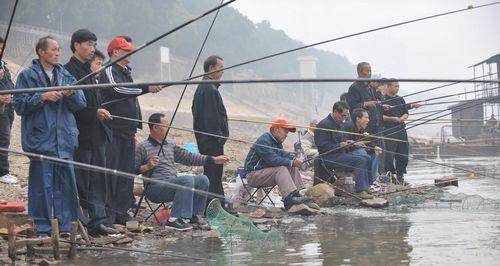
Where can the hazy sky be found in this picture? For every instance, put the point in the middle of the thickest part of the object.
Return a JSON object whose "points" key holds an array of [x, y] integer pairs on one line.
{"points": [[437, 48]]}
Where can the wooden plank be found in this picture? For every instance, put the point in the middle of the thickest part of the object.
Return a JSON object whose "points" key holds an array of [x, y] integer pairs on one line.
{"points": [[74, 231], [446, 181], [12, 243], [30, 251], [55, 239]]}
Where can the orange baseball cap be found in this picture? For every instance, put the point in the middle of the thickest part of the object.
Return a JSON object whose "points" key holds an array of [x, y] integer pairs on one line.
{"points": [[120, 43], [281, 123]]}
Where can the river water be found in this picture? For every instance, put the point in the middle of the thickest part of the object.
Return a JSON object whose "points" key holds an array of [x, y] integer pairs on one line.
{"points": [[430, 234]]}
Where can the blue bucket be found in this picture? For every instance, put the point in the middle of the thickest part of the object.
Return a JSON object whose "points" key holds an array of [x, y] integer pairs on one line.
{"points": [[191, 147]]}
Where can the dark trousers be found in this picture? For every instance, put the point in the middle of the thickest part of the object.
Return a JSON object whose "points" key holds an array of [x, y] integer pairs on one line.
{"points": [[120, 155], [396, 163], [213, 172], [6, 120], [52, 193], [91, 184], [185, 202], [351, 162]]}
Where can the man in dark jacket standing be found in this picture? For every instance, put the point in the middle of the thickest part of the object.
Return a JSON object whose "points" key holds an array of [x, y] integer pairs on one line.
{"points": [[209, 115], [6, 120], [120, 153], [93, 136]]}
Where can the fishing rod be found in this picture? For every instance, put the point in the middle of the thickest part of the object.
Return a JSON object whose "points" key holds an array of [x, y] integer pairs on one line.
{"points": [[438, 87], [437, 163], [316, 128], [470, 7], [270, 147], [137, 49], [180, 98], [190, 75], [247, 81], [115, 248], [215, 135], [8, 29], [442, 97], [427, 112], [390, 129]]}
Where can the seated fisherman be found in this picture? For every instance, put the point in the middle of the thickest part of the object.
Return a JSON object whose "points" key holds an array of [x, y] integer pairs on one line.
{"points": [[186, 204], [367, 146], [266, 166], [334, 151]]}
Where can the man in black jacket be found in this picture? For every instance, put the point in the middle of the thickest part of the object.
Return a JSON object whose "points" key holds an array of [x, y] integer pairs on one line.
{"points": [[209, 115], [360, 95], [120, 153], [334, 150], [6, 120], [396, 159], [93, 136]]}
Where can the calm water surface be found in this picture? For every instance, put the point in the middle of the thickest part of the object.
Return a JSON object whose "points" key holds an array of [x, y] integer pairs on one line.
{"points": [[431, 234]]}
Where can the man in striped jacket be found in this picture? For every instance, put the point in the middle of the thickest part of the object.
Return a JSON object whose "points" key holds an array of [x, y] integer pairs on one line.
{"points": [[187, 204], [120, 151]]}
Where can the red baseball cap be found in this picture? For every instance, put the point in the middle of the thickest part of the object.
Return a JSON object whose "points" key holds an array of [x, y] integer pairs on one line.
{"points": [[280, 122], [120, 43]]}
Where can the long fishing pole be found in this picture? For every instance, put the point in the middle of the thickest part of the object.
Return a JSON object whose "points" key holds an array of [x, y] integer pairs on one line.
{"points": [[8, 29], [207, 81], [442, 97], [270, 147], [340, 38], [316, 128], [190, 75], [470, 7], [127, 54], [115, 248], [435, 88], [390, 129], [182, 95]]}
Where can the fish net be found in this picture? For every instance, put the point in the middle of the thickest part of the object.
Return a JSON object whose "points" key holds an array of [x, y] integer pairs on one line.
{"points": [[438, 198], [235, 229]]}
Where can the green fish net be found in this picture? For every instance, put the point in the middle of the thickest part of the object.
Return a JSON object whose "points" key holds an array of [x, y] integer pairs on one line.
{"points": [[239, 229]]}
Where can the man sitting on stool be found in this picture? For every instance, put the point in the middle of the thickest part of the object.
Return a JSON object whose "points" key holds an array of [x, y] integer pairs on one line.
{"points": [[186, 203], [334, 151], [266, 166]]}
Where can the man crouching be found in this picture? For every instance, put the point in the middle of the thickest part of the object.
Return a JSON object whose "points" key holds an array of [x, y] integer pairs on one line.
{"points": [[267, 164], [186, 205]]}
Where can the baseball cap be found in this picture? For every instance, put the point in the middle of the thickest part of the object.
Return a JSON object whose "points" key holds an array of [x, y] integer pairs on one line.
{"points": [[120, 43], [281, 123]]}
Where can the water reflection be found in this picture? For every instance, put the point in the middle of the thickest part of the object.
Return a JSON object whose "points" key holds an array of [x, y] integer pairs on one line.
{"points": [[395, 236]]}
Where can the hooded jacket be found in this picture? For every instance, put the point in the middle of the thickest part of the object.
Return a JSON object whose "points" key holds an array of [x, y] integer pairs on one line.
{"points": [[48, 128]]}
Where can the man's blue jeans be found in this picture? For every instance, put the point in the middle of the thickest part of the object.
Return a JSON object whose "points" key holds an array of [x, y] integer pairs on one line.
{"points": [[373, 164], [185, 202]]}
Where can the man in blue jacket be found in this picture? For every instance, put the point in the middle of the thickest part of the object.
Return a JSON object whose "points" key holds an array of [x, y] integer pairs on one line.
{"points": [[267, 164], [48, 127]]}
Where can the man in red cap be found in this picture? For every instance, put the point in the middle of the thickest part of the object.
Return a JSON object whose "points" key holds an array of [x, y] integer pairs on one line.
{"points": [[121, 150], [267, 164]]}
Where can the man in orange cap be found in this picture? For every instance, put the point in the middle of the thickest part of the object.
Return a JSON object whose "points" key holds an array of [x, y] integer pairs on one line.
{"points": [[267, 164], [121, 150]]}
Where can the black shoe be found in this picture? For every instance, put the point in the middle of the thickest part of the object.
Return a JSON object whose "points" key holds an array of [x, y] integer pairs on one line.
{"points": [[178, 225], [301, 199], [198, 222], [103, 231]]}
